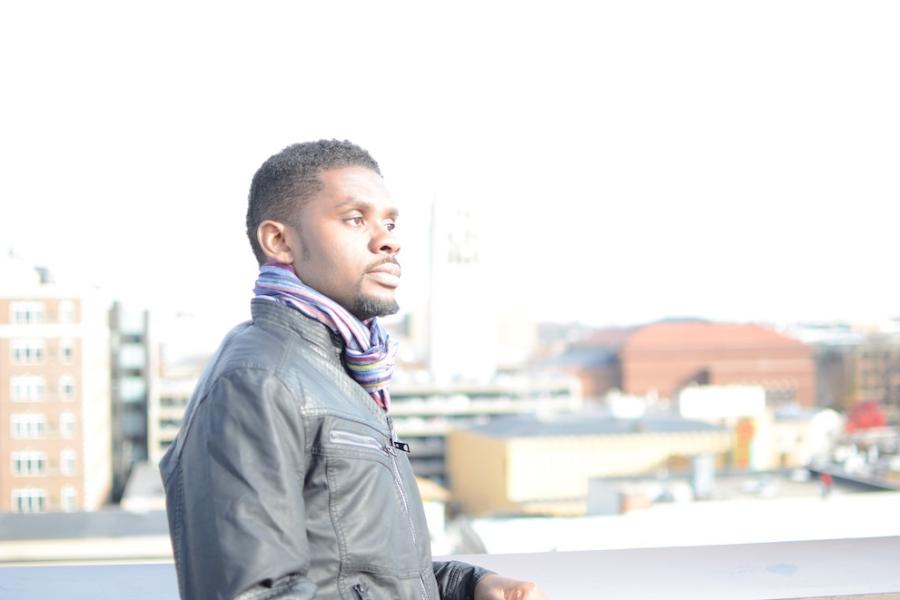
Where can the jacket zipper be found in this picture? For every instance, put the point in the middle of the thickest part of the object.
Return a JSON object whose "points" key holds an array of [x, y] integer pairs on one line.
{"points": [[395, 443], [361, 591]]}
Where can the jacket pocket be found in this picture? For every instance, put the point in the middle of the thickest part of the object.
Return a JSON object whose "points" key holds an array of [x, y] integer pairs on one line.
{"points": [[361, 592], [369, 503], [349, 438]]}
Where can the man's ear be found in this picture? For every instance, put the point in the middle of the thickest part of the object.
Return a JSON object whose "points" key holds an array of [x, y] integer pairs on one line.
{"points": [[273, 239]]}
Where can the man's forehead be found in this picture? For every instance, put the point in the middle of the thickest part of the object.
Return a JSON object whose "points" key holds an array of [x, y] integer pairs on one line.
{"points": [[351, 175], [362, 203], [348, 186]]}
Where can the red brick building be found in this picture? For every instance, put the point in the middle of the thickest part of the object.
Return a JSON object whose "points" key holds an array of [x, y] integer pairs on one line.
{"points": [[668, 356]]}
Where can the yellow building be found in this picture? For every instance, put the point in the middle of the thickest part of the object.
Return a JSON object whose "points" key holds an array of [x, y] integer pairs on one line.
{"points": [[529, 465]]}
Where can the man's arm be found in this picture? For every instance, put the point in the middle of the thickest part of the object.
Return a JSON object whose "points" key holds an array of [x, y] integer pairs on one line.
{"points": [[461, 581], [242, 466], [457, 580]]}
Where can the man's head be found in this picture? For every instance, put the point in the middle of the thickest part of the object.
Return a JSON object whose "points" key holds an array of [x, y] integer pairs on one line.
{"points": [[323, 207]]}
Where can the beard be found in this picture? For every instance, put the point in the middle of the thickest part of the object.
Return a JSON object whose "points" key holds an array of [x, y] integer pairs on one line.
{"points": [[366, 307]]}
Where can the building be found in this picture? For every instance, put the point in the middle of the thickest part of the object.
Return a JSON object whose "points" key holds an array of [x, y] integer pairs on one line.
{"points": [[55, 450], [168, 405], [855, 363], [592, 358], [425, 414], [876, 373], [668, 356], [527, 464], [457, 314], [134, 365]]}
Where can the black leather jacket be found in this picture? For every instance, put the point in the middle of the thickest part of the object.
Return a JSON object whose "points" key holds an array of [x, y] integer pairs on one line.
{"points": [[284, 483]]}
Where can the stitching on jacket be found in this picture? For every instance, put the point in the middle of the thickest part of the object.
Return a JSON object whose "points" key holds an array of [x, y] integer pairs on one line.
{"points": [[178, 522], [332, 510], [195, 408]]}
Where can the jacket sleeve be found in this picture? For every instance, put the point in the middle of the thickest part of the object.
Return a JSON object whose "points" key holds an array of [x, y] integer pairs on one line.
{"points": [[241, 469], [456, 580]]}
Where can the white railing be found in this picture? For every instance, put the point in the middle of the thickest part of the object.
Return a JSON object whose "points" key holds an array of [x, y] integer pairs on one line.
{"points": [[846, 568]]}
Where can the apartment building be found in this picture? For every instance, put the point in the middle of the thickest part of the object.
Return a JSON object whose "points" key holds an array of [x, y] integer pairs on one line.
{"points": [[877, 372], [166, 410], [55, 452], [134, 367]]}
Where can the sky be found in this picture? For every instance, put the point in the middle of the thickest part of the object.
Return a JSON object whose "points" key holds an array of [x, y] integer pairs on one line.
{"points": [[631, 160]]}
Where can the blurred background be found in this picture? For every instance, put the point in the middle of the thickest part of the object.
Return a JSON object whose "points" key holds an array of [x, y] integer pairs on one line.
{"points": [[649, 289]]}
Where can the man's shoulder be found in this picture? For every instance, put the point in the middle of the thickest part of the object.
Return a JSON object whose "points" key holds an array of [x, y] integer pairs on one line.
{"points": [[257, 350], [249, 345], [249, 348], [248, 368]]}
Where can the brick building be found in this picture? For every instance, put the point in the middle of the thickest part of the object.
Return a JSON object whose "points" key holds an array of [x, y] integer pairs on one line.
{"points": [[876, 373], [665, 357], [593, 359], [54, 395]]}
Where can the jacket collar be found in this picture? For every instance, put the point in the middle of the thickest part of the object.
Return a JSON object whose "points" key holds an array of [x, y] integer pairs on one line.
{"points": [[285, 317]]}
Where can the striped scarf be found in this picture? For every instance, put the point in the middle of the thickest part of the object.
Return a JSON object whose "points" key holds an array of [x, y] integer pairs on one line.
{"points": [[368, 352]]}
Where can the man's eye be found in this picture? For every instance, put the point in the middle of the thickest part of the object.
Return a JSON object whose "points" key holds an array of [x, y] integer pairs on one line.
{"points": [[355, 220], [390, 225]]}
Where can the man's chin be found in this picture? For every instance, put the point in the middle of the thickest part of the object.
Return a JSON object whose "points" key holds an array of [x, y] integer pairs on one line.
{"points": [[367, 307]]}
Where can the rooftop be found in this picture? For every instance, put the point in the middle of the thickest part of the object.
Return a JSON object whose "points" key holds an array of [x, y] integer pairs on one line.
{"points": [[100, 524], [707, 336], [588, 424]]}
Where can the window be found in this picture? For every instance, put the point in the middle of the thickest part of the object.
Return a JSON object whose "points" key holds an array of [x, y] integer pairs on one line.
{"points": [[28, 425], [132, 356], [134, 422], [69, 499], [27, 313], [66, 311], [29, 463], [169, 423], [29, 500], [67, 425], [66, 351], [130, 323], [26, 388], [28, 352], [173, 401], [132, 389], [67, 387], [67, 462]]}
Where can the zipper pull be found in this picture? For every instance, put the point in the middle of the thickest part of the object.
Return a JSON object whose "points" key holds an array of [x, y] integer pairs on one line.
{"points": [[395, 441]]}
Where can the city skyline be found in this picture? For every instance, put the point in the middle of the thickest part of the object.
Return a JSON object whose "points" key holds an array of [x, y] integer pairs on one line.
{"points": [[649, 328]]}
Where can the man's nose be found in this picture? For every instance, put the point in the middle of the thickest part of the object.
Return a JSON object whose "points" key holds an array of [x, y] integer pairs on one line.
{"points": [[385, 240]]}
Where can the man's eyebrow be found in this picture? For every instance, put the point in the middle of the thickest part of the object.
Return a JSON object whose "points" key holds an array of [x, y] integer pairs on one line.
{"points": [[363, 205]]}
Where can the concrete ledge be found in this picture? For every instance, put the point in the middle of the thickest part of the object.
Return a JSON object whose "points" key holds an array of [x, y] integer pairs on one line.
{"points": [[849, 569], [846, 568]]}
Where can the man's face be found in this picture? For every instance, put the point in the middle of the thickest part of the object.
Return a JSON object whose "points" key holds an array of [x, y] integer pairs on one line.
{"points": [[345, 246]]}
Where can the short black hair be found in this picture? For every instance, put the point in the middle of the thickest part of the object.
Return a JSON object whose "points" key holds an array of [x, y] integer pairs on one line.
{"points": [[286, 181]]}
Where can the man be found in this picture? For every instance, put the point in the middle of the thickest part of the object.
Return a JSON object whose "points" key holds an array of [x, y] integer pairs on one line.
{"points": [[287, 479]]}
